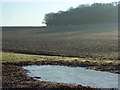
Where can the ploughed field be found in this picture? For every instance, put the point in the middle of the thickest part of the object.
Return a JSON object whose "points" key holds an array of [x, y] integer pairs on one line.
{"points": [[97, 41], [93, 46]]}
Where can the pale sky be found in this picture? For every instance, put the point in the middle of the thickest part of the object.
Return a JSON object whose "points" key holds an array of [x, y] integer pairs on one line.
{"points": [[31, 12]]}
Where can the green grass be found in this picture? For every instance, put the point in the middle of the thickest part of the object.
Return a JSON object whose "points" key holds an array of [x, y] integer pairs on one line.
{"points": [[13, 57]]}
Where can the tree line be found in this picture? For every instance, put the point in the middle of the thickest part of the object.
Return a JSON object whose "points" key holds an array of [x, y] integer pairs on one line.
{"points": [[84, 14]]}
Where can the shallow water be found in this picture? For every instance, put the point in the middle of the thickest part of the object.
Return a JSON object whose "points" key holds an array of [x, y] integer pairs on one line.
{"points": [[73, 75]]}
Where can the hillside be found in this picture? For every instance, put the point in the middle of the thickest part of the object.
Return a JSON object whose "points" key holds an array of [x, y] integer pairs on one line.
{"points": [[98, 41]]}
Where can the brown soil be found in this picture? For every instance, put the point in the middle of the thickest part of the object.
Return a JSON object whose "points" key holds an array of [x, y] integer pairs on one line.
{"points": [[15, 77], [110, 67]]}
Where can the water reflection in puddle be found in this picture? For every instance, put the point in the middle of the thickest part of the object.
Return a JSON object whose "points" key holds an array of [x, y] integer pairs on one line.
{"points": [[74, 75]]}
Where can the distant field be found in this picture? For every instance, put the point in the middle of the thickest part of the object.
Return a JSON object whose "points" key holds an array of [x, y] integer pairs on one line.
{"points": [[98, 41]]}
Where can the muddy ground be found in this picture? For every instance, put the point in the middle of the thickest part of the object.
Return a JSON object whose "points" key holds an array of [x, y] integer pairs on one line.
{"points": [[14, 76], [110, 67]]}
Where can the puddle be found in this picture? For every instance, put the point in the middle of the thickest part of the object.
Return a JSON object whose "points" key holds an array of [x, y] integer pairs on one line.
{"points": [[73, 75]]}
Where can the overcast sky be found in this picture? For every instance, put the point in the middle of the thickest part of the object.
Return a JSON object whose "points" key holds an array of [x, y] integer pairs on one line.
{"points": [[31, 12]]}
